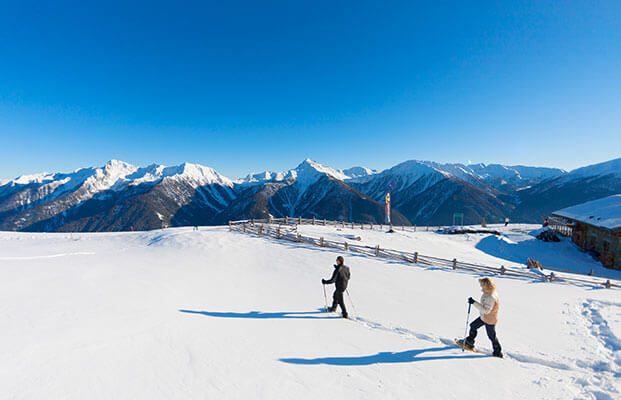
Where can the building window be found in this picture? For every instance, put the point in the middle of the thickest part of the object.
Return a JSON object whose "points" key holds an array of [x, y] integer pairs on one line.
{"points": [[606, 246]]}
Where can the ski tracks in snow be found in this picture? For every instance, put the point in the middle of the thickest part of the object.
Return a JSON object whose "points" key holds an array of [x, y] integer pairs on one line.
{"points": [[594, 380], [451, 342], [603, 370]]}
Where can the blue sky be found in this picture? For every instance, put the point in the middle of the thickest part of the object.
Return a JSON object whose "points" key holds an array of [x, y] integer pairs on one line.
{"points": [[248, 86]]}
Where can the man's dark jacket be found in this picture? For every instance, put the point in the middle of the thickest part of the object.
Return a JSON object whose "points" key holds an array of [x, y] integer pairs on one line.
{"points": [[340, 277]]}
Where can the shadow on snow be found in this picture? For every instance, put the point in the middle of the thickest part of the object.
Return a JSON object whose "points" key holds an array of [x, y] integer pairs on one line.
{"points": [[264, 315], [386, 357]]}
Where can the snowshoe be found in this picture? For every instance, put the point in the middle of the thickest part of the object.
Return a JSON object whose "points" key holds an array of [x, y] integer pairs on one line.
{"points": [[464, 344]]}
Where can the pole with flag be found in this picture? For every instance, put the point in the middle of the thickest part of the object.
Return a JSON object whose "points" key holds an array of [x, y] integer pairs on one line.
{"points": [[389, 209]]}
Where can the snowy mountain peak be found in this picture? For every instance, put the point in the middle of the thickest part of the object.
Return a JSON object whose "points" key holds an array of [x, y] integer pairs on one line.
{"points": [[201, 175], [118, 164], [310, 171], [306, 173], [612, 167], [32, 178], [358, 172]]}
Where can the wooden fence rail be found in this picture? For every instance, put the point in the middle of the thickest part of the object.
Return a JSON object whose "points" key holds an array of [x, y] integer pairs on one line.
{"points": [[268, 227]]}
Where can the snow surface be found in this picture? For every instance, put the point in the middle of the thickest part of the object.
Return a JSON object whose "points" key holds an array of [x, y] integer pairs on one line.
{"points": [[604, 213], [217, 314]]}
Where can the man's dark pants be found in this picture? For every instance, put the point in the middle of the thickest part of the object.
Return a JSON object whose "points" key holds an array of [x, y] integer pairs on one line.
{"points": [[338, 299]]}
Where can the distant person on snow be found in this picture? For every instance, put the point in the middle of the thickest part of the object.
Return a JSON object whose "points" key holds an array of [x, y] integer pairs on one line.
{"points": [[488, 307], [340, 277]]}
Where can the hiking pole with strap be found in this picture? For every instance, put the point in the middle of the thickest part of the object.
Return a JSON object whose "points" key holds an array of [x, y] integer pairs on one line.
{"points": [[467, 320], [325, 297], [352, 302]]}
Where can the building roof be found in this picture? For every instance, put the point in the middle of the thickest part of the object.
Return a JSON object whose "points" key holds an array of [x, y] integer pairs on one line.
{"points": [[603, 213]]}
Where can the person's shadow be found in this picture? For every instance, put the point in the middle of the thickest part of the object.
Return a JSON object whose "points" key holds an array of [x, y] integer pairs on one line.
{"points": [[383, 358], [265, 315]]}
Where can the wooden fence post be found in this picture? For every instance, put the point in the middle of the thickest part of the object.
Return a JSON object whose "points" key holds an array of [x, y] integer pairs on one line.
{"points": [[362, 226], [300, 220], [286, 219], [230, 226], [377, 248], [591, 273], [346, 246], [278, 232], [454, 263], [402, 227], [313, 220], [343, 224], [414, 227], [352, 225], [416, 257], [244, 227], [324, 222], [299, 238], [260, 229], [321, 241]]}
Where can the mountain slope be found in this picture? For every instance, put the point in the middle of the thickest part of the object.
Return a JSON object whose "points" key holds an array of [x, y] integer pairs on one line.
{"points": [[120, 196], [117, 196], [429, 193], [578, 186], [310, 189]]}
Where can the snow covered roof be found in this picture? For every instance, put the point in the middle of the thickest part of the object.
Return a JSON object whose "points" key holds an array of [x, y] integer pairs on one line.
{"points": [[603, 213]]}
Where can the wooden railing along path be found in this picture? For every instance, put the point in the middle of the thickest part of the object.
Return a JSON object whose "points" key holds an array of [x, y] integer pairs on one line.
{"points": [[284, 229]]}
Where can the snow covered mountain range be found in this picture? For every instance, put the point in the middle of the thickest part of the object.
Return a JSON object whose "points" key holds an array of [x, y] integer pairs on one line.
{"points": [[120, 196]]}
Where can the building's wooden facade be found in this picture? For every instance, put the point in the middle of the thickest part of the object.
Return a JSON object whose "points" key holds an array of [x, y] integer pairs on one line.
{"points": [[597, 228], [602, 241]]}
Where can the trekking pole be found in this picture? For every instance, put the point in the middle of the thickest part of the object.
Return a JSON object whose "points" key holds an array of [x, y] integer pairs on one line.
{"points": [[467, 320], [352, 302], [325, 297]]}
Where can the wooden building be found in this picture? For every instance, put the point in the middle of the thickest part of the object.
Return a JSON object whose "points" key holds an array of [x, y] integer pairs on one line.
{"points": [[597, 228]]}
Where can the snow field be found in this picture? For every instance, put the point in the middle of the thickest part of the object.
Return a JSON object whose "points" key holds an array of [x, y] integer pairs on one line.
{"points": [[215, 314]]}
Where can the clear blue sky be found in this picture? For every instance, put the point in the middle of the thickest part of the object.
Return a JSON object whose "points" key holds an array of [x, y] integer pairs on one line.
{"points": [[247, 86]]}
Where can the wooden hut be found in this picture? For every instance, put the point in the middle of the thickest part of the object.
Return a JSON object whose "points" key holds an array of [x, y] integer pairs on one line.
{"points": [[597, 228]]}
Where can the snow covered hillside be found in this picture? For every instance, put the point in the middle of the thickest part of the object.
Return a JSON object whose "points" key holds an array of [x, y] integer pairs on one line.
{"points": [[180, 314], [511, 249]]}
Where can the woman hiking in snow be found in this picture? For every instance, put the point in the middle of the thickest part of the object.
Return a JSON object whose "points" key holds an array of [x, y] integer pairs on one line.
{"points": [[340, 277], [488, 307]]}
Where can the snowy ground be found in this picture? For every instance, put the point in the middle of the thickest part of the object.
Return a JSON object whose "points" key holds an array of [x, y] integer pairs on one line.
{"points": [[511, 249], [214, 314]]}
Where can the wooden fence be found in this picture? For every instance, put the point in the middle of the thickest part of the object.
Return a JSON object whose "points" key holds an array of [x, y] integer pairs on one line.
{"points": [[285, 229], [560, 226]]}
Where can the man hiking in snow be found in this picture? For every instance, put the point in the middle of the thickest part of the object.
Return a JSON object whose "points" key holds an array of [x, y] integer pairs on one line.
{"points": [[340, 277], [488, 307]]}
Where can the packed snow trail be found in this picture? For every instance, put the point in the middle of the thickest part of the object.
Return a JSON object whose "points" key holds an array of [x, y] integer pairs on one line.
{"points": [[213, 314]]}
